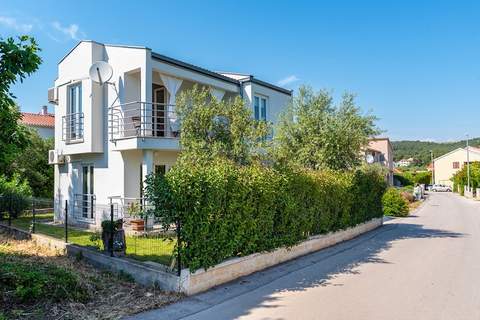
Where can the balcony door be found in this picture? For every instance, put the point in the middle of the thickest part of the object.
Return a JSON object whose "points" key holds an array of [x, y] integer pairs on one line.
{"points": [[159, 112], [87, 192]]}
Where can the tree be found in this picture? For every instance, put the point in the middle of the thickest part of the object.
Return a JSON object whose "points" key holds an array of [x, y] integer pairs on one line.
{"points": [[460, 179], [32, 165], [18, 59], [212, 128], [316, 134]]}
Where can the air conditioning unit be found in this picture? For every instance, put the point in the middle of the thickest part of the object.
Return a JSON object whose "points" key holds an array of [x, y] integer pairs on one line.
{"points": [[53, 95], [55, 158]]}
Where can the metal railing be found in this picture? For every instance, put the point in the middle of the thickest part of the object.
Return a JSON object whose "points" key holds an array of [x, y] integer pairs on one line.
{"points": [[72, 127], [130, 208], [84, 207], [143, 119]]}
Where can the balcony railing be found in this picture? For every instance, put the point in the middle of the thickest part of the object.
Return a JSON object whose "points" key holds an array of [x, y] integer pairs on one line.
{"points": [[72, 127], [84, 207], [143, 119]]}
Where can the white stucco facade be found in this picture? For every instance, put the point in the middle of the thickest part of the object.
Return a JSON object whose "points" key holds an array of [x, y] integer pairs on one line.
{"points": [[111, 136]]}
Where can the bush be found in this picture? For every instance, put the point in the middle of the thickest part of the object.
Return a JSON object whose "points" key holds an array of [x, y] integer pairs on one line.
{"points": [[408, 178], [394, 204], [227, 210], [29, 282], [14, 195], [460, 179]]}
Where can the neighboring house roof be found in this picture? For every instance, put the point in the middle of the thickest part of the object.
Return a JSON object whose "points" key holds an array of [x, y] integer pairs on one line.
{"points": [[38, 120], [472, 149]]}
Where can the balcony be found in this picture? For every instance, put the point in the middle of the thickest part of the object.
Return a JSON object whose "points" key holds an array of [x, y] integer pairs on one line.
{"points": [[72, 127], [143, 119], [138, 125]]}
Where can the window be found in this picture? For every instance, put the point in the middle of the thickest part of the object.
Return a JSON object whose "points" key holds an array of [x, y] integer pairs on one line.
{"points": [[260, 108], [456, 165], [160, 169], [75, 98], [74, 117]]}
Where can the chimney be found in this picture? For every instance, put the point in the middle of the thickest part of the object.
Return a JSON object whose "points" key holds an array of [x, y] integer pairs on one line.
{"points": [[44, 110]]}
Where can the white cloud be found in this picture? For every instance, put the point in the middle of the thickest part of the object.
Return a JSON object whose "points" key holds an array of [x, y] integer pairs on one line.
{"points": [[287, 80], [12, 23], [72, 31]]}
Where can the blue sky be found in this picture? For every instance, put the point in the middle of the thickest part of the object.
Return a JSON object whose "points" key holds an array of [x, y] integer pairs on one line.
{"points": [[414, 64]]}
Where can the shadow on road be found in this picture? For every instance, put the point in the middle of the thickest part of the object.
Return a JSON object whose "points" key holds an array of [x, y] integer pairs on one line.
{"points": [[260, 290], [318, 269]]}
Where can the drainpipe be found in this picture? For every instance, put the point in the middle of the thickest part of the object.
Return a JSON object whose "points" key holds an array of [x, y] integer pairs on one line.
{"points": [[241, 88]]}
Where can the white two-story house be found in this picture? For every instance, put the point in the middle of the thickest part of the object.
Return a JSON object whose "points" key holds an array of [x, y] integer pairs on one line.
{"points": [[109, 137]]}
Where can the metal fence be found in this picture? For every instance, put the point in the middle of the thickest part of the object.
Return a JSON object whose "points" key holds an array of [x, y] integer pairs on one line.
{"points": [[22, 211], [124, 228]]}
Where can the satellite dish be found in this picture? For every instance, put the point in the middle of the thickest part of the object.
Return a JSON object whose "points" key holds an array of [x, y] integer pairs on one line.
{"points": [[100, 72], [370, 158]]}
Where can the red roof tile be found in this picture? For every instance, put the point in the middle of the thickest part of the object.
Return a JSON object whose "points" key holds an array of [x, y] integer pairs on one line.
{"points": [[38, 120]]}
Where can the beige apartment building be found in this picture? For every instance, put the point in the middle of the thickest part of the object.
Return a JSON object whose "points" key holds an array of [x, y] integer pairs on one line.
{"points": [[447, 165], [382, 151]]}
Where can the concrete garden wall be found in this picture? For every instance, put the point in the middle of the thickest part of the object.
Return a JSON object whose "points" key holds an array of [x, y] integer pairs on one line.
{"points": [[231, 269]]}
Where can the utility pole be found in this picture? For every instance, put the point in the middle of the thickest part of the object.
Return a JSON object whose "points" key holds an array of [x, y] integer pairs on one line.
{"points": [[433, 167], [468, 166]]}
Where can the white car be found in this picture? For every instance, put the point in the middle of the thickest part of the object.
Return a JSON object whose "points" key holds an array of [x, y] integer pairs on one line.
{"points": [[441, 188]]}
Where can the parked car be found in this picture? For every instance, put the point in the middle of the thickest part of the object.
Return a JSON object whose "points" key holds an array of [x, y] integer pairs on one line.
{"points": [[441, 188]]}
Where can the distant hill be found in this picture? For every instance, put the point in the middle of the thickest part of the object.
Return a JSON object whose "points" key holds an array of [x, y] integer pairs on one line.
{"points": [[421, 149]]}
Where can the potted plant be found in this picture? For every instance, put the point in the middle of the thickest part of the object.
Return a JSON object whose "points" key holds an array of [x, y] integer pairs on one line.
{"points": [[118, 244], [136, 212]]}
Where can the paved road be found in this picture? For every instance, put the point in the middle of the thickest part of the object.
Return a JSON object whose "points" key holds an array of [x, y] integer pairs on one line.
{"points": [[426, 266]]}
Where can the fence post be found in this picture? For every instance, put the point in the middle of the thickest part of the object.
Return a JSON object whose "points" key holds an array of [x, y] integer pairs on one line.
{"points": [[112, 230], [179, 244], [66, 221], [33, 216], [91, 207]]}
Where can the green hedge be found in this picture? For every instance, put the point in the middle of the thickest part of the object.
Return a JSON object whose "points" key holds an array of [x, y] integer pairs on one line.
{"points": [[227, 210], [394, 204]]}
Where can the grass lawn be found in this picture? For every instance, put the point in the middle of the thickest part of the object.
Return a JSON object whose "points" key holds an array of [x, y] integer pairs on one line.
{"points": [[156, 249]]}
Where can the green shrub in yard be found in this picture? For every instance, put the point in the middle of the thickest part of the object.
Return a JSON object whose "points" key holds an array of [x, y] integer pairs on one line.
{"points": [[29, 282], [229, 210], [394, 204], [14, 195]]}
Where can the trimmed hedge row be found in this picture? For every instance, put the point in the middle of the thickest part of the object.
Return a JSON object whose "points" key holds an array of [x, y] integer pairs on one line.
{"points": [[227, 210]]}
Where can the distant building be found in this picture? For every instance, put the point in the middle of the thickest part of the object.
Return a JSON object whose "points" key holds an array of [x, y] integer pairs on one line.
{"points": [[380, 150], [406, 162], [43, 122], [444, 167]]}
